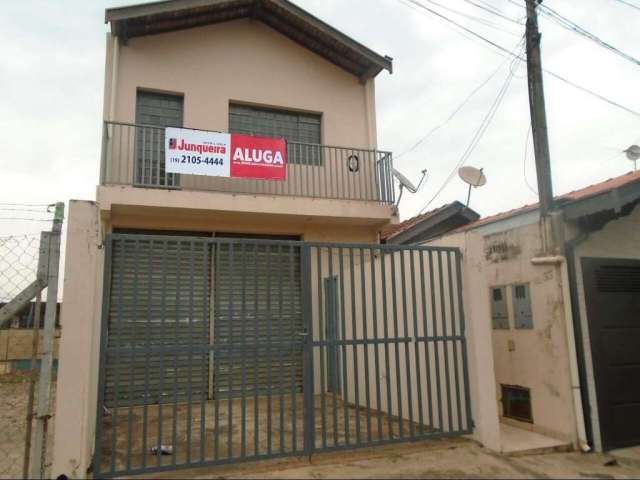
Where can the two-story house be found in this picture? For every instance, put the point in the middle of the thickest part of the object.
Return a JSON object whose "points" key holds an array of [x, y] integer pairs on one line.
{"points": [[226, 296]]}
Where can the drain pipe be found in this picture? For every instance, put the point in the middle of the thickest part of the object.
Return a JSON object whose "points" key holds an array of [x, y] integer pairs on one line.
{"points": [[561, 262]]}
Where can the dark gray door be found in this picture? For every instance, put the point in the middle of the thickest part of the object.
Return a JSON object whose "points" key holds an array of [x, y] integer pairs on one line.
{"points": [[612, 294], [158, 321], [258, 319], [154, 112]]}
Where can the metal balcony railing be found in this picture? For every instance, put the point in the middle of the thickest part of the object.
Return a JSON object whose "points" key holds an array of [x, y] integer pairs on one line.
{"points": [[134, 155]]}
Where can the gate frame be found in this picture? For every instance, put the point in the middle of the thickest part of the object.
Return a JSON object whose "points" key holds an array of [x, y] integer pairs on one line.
{"points": [[309, 427]]}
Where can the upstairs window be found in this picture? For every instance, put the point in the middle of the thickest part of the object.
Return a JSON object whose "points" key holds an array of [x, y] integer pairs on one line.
{"points": [[300, 130]]}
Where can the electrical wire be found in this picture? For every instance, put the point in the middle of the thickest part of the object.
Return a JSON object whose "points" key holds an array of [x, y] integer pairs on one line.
{"points": [[504, 50], [26, 204], [27, 219], [23, 210], [484, 125], [480, 20], [628, 4], [454, 113], [491, 9], [524, 162], [568, 24]]}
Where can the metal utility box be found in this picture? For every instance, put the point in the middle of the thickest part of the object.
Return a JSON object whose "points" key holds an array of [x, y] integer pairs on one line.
{"points": [[523, 318], [499, 313]]}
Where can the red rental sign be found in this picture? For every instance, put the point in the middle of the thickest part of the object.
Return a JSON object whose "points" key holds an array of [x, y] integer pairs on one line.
{"points": [[258, 157]]}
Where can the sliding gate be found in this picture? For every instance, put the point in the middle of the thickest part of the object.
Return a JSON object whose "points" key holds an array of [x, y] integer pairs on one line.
{"points": [[221, 350]]}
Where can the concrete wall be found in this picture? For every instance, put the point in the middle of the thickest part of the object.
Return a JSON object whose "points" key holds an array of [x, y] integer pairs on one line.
{"points": [[618, 239], [79, 346]]}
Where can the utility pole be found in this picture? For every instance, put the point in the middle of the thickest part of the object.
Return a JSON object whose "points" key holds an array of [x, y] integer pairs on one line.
{"points": [[538, 111]]}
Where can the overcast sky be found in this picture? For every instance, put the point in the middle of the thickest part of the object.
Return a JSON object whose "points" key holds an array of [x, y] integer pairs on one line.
{"points": [[51, 79]]}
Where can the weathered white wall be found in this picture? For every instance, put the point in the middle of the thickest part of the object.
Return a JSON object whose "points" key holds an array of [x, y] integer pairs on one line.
{"points": [[618, 239]]}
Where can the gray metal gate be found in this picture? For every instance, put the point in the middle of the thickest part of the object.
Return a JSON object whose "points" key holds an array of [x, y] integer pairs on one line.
{"points": [[221, 350]]}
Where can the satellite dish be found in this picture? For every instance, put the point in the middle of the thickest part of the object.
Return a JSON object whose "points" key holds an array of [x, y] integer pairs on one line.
{"points": [[406, 183], [633, 153], [474, 177]]}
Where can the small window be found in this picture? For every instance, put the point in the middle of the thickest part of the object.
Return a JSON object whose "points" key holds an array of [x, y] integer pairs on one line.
{"points": [[523, 318], [300, 130], [499, 314], [516, 403]]}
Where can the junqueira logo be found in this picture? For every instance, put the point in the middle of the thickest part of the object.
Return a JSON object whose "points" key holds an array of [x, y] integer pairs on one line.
{"points": [[173, 143]]}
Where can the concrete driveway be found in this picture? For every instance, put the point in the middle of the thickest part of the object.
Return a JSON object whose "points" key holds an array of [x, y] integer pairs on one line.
{"points": [[457, 458]]}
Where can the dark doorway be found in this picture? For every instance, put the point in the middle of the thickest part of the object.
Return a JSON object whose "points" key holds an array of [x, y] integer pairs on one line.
{"points": [[612, 296]]}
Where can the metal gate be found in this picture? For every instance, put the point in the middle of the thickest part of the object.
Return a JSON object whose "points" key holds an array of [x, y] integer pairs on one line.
{"points": [[222, 350]]}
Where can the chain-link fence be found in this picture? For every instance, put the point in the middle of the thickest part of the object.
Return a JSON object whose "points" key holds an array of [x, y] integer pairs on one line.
{"points": [[25, 426]]}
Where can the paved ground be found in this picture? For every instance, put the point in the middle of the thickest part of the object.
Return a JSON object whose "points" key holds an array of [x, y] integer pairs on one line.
{"points": [[436, 459]]}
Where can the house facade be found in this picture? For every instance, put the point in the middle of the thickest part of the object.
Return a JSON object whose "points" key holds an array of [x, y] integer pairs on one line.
{"points": [[214, 319], [563, 325]]}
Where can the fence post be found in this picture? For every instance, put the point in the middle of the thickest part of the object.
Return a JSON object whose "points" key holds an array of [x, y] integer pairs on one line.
{"points": [[44, 384]]}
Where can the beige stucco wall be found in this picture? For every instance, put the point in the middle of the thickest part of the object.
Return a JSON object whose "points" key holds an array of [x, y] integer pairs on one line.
{"points": [[618, 239], [247, 62], [244, 61], [79, 344]]}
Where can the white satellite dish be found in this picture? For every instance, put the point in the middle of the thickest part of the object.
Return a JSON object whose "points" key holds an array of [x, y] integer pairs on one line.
{"points": [[406, 183], [474, 177]]}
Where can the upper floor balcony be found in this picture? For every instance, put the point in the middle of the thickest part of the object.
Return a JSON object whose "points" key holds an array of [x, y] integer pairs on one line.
{"points": [[134, 155]]}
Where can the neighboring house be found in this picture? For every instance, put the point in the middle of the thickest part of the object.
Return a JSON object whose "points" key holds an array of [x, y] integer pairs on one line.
{"points": [[428, 225], [565, 328], [253, 313]]}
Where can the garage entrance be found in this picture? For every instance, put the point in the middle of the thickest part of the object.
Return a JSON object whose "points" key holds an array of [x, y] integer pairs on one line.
{"points": [[612, 295], [222, 350]]}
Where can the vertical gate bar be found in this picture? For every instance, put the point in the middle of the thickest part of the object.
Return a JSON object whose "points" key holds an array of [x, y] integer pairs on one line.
{"points": [[174, 426], [104, 323], [308, 386], [465, 371], [191, 345], [132, 359], [118, 341], [354, 348], [163, 347], [145, 416], [445, 347], [376, 346], [434, 317], [162, 179], [258, 353], [230, 353], [385, 323], [269, 357], [396, 342], [281, 338], [455, 342], [343, 329], [335, 356], [293, 354], [425, 335], [365, 336], [204, 388], [416, 344], [405, 324], [321, 336], [243, 376], [216, 352]]}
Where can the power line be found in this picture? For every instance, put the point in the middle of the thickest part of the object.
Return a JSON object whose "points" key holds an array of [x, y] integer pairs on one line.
{"points": [[27, 204], [524, 162], [491, 9], [480, 20], [27, 219], [504, 50], [574, 27], [484, 125], [628, 4], [23, 210], [453, 114]]}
